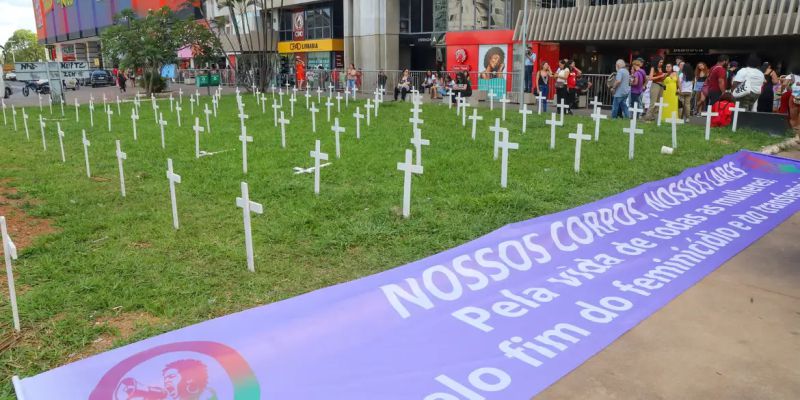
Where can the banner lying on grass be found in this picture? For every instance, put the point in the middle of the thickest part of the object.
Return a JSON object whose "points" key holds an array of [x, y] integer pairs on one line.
{"points": [[500, 317]]}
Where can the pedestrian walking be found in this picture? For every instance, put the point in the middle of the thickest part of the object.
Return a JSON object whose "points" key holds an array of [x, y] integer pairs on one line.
{"points": [[621, 90], [638, 80], [656, 78]]}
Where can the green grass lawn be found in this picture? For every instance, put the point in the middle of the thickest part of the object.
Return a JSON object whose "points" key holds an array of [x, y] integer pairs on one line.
{"points": [[121, 255]]}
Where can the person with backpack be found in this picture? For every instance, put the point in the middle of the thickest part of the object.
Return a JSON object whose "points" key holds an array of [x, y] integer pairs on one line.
{"points": [[747, 83], [621, 90]]}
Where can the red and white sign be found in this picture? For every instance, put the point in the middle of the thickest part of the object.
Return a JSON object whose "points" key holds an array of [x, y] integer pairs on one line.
{"points": [[298, 26]]}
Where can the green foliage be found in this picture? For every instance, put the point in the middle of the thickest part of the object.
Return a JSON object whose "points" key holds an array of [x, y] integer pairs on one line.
{"points": [[24, 45], [123, 252], [153, 41], [153, 83]]}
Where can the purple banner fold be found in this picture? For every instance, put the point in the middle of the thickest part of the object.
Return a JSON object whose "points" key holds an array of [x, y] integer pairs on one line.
{"points": [[502, 316]]}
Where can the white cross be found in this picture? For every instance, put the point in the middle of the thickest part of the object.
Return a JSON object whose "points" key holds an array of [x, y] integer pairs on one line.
{"points": [[248, 207], [449, 96], [541, 100], [263, 103], [255, 89], [317, 155], [632, 132], [294, 91], [369, 108], [596, 103], [355, 91], [197, 130], [178, 113], [5, 120], [378, 100], [215, 104], [336, 131], [475, 118], [505, 101], [292, 100], [636, 111], [675, 121], [50, 103], [338, 102], [458, 103], [134, 117], [415, 120], [162, 123], [86, 144], [307, 96], [155, 111], [191, 105], [464, 105], [491, 96], [314, 110], [10, 252], [505, 145], [283, 122], [408, 167], [597, 115], [709, 114], [275, 108], [109, 113], [180, 95], [525, 112], [358, 116], [330, 90], [14, 116], [579, 137], [42, 125], [418, 142], [280, 96], [60, 134], [242, 116], [497, 129], [119, 111], [244, 139], [736, 111], [77, 113], [328, 105], [319, 95], [91, 113], [120, 157], [24, 122], [105, 100], [272, 90], [553, 122], [207, 112], [346, 98], [660, 104], [562, 107], [40, 103], [173, 179]]}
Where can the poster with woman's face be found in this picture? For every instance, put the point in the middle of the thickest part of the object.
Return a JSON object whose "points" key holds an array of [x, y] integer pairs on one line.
{"points": [[493, 59]]}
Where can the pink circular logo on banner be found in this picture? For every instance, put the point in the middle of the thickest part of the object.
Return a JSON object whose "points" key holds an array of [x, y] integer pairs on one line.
{"points": [[461, 55]]}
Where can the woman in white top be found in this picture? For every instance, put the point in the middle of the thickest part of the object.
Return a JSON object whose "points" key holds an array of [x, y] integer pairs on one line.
{"points": [[686, 89]]}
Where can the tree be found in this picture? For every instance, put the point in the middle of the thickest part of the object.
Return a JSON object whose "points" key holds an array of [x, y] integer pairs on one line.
{"points": [[153, 41], [23, 46]]}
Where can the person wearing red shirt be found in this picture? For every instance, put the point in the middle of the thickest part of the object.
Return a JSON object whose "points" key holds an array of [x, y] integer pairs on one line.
{"points": [[300, 71], [572, 86], [717, 79]]}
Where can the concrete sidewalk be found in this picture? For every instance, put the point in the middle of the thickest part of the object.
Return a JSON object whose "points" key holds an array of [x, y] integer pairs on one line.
{"points": [[734, 335]]}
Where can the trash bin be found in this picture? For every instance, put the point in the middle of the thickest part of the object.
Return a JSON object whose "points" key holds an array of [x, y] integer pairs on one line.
{"points": [[202, 80]]}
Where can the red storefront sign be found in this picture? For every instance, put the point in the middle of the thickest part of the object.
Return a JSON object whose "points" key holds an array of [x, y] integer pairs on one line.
{"points": [[298, 26]]}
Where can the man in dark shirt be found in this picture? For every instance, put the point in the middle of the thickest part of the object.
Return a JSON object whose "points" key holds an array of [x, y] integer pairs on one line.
{"points": [[717, 79]]}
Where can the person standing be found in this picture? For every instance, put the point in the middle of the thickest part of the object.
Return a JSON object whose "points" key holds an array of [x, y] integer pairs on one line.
{"points": [[562, 73], [543, 82], [352, 76], [656, 78], [686, 86], [717, 82], [638, 78], [300, 72], [528, 69], [670, 93], [766, 101], [699, 99], [747, 83], [122, 79], [621, 90], [572, 86], [403, 86]]}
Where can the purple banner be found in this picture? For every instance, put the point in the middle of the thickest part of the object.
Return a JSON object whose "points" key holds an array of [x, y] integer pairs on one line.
{"points": [[503, 316]]}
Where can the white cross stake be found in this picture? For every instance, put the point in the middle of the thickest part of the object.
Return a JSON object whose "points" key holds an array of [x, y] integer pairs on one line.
{"points": [[415, 119], [77, 111], [248, 207], [709, 114], [275, 108], [162, 123], [736, 110], [464, 105], [328, 105], [660, 104], [408, 167], [10, 252], [292, 100], [369, 108], [109, 113], [173, 179], [319, 95], [338, 102], [358, 116], [86, 144], [207, 112], [244, 139], [475, 118], [636, 111], [134, 117], [120, 157], [180, 95], [171, 103], [458, 103], [118, 109], [178, 113], [191, 105], [525, 112], [61, 141], [314, 110], [562, 108], [505, 145], [318, 155], [155, 110], [215, 105], [91, 114], [418, 142], [491, 97], [283, 122], [307, 96], [378, 100], [5, 119], [42, 125], [596, 104], [24, 122], [553, 122], [336, 131], [449, 96], [346, 98], [632, 132], [675, 121], [14, 116], [597, 115], [579, 137], [263, 104], [505, 101], [541, 100], [197, 130], [497, 129], [40, 103]]}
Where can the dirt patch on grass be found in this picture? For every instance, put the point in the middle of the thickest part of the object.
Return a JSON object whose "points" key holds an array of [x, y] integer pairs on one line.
{"points": [[121, 326], [22, 228]]}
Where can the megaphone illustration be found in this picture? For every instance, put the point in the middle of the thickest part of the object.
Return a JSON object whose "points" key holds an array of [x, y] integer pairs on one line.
{"points": [[131, 389]]}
